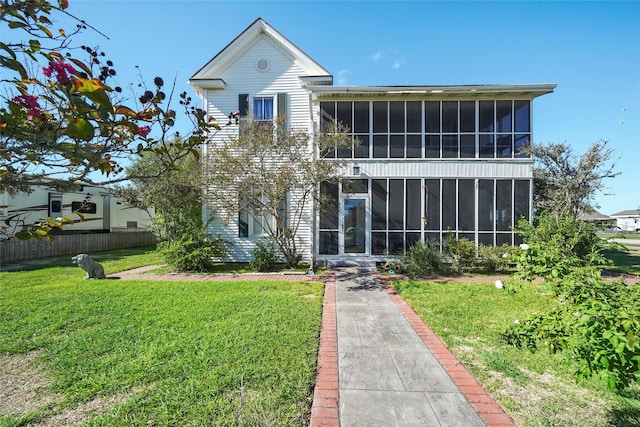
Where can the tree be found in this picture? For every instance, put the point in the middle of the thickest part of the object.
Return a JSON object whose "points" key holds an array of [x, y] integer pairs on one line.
{"points": [[171, 195], [271, 173], [61, 121], [565, 184]]}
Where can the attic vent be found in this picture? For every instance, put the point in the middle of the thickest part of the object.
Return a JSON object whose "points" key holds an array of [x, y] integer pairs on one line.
{"points": [[262, 65]]}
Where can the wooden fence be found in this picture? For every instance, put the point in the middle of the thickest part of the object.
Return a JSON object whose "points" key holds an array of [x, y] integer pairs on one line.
{"points": [[17, 250]]}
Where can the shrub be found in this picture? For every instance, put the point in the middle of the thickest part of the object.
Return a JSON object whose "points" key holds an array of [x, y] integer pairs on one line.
{"points": [[495, 258], [462, 251], [423, 258], [596, 322], [193, 251], [558, 245], [265, 256]]}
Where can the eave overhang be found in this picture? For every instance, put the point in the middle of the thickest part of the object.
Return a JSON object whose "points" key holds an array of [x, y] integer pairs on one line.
{"points": [[207, 84], [528, 91], [311, 81]]}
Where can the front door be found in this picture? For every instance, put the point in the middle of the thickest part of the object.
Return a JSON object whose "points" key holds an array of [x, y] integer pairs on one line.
{"points": [[354, 226]]}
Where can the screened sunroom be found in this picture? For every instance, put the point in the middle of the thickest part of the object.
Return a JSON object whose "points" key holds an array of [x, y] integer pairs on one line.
{"points": [[447, 160]]}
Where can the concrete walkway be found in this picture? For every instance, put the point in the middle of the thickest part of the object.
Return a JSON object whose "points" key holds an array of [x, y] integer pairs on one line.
{"points": [[382, 366]]}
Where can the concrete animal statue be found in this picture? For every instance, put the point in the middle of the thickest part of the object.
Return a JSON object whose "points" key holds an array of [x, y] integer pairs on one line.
{"points": [[93, 269]]}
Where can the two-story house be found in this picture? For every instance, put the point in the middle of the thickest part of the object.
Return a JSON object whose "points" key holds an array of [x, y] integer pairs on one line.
{"points": [[431, 159]]}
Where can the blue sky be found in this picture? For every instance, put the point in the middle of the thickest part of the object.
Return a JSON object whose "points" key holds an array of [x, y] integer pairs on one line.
{"points": [[591, 50]]}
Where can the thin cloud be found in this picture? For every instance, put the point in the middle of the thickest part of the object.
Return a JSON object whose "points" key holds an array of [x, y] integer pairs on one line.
{"points": [[384, 57], [376, 57], [341, 78], [398, 63]]}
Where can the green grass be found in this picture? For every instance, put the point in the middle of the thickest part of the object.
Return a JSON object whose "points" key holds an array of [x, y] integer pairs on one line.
{"points": [[536, 389], [177, 353], [626, 258]]}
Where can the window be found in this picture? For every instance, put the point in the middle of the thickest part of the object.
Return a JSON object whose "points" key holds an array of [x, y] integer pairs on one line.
{"points": [[252, 224], [56, 206], [84, 207], [263, 109]]}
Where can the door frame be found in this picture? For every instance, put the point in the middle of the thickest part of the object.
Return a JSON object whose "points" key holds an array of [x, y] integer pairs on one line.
{"points": [[341, 224]]}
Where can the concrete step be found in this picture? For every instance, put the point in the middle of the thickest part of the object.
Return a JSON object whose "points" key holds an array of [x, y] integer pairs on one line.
{"points": [[351, 262]]}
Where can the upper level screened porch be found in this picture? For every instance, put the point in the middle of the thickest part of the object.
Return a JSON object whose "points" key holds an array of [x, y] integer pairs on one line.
{"points": [[430, 122]]}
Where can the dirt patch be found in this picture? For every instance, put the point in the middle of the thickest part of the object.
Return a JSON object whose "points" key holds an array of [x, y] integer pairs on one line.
{"points": [[25, 389], [82, 413], [23, 386]]}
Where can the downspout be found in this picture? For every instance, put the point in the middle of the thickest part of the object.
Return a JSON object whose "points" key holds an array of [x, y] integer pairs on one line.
{"points": [[314, 210], [203, 210]]}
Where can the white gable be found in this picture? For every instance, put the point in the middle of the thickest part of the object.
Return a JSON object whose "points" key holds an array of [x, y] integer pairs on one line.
{"points": [[256, 37]]}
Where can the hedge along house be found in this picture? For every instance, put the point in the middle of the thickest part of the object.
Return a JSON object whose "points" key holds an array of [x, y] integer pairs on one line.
{"points": [[426, 160]]}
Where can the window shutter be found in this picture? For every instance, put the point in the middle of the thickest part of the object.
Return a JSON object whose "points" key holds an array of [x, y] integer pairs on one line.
{"points": [[243, 218], [283, 107], [243, 104]]}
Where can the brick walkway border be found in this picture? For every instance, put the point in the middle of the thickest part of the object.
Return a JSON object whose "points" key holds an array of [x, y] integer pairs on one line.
{"points": [[324, 411], [488, 409]]}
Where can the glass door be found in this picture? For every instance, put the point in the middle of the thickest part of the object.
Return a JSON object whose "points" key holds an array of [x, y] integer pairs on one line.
{"points": [[355, 226]]}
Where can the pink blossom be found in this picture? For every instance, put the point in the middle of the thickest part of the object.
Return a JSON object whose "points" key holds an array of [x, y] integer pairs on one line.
{"points": [[60, 68], [144, 130], [30, 103]]}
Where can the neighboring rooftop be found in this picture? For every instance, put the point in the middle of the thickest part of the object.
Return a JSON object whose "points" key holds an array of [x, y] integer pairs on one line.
{"points": [[630, 212], [594, 216]]}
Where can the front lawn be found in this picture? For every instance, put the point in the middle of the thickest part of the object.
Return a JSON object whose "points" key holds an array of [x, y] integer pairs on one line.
{"points": [[122, 353], [536, 389]]}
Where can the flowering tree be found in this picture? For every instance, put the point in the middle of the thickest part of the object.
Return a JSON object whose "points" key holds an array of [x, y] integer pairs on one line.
{"points": [[61, 120]]}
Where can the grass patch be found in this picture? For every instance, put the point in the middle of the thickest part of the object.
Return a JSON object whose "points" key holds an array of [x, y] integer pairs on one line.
{"points": [[536, 389], [178, 353], [626, 258], [624, 261]]}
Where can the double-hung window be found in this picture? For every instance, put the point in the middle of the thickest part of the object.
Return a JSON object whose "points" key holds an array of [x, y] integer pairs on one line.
{"points": [[263, 109], [252, 222]]}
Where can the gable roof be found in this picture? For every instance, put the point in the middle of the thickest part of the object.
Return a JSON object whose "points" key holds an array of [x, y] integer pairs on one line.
{"points": [[212, 69]]}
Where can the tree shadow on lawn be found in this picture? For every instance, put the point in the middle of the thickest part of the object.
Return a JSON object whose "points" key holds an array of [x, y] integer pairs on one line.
{"points": [[65, 260], [629, 415], [624, 261]]}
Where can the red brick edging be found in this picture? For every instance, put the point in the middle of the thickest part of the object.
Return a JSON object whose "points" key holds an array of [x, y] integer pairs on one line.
{"points": [[488, 409], [324, 411]]}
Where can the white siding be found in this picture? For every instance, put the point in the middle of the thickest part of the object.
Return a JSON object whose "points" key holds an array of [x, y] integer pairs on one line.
{"points": [[406, 168], [242, 77]]}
